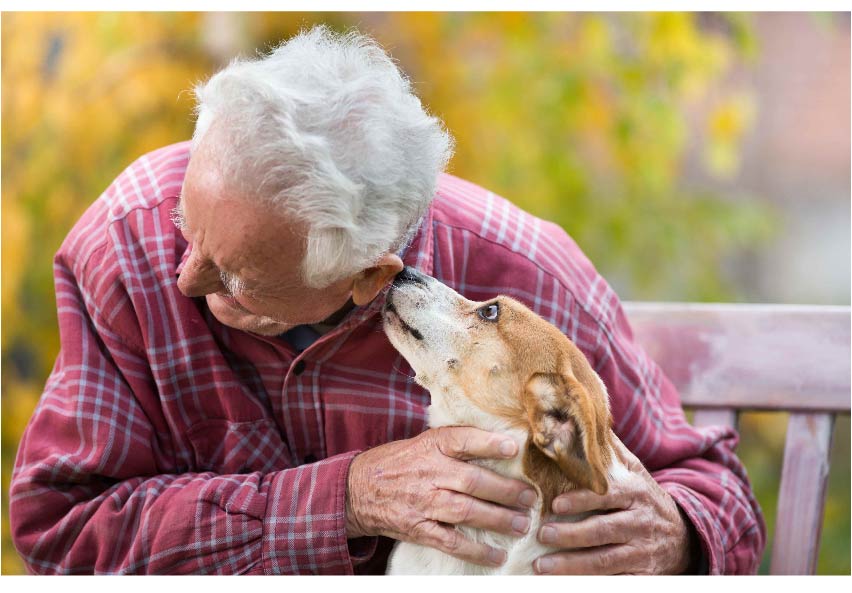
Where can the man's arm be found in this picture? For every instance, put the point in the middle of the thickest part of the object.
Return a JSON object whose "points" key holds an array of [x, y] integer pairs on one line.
{"points": [[96, 486]]}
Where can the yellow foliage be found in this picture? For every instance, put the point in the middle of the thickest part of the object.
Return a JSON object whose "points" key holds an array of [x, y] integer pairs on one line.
{"points": [[18, 405], [726, 126], [16, 231]]}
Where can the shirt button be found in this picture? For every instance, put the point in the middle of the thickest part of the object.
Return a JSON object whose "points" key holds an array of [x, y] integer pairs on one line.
{"points": [[299, 367]]}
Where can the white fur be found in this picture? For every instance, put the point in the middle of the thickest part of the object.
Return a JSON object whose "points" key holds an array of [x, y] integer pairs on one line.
{"points": [[431, 308], [327, 128]]}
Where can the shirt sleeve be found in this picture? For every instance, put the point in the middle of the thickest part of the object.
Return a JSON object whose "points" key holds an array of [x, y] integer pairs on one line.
{"points": [[95, 486], [697, 467]]}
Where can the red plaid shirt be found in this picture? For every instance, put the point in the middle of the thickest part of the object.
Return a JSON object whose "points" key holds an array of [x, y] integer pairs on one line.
{"points": [[166, 442]]}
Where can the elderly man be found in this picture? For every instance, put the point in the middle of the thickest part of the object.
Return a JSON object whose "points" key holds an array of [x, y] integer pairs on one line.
{"points": [[225, 401]]}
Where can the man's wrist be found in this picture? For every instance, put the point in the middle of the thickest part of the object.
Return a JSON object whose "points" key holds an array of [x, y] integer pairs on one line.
{"points": [[353, 525]]}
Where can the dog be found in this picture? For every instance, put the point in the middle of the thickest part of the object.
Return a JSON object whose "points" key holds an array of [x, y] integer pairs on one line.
{"points": [[498, 366]]}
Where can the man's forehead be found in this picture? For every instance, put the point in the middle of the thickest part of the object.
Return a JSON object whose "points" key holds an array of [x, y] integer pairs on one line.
{"points": [[204, 174], [244, 236]]}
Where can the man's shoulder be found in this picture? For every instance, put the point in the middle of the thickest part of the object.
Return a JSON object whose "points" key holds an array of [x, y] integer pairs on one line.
{"points": [[503, 228], [496, 246], [148, 181], [131, 217]]}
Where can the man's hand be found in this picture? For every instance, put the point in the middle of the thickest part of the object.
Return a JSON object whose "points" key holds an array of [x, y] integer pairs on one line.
{"points": [[642, 532], [416, 490]]}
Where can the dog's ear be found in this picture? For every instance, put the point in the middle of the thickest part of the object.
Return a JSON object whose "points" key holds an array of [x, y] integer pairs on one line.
{"points": [[569, 426]]}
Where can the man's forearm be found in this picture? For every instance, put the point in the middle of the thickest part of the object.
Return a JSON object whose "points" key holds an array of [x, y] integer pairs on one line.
{"points": [[188, 523]]}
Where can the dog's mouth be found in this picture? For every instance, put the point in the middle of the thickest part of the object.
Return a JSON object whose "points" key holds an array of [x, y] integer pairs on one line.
{"points": [[390, 309]]}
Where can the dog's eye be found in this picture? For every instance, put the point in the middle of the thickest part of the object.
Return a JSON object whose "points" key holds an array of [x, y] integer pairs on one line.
{"points": [[489, 312]]}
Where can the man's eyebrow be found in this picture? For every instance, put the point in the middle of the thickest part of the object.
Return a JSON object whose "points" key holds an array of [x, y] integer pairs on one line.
{"points": [[177, 215]]}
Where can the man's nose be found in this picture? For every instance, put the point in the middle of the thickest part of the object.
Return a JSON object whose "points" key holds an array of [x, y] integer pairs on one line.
{"points": [[199, 277]]}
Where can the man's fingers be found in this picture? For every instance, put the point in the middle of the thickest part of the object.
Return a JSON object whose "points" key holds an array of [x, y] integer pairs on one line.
{"points": [[583, 501], [485, 484], [597, 530], [452, 542], [464, 442], [614, 559], [454, 508]]}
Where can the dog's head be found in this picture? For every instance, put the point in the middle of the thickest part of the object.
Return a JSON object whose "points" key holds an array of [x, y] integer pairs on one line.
{"points": [[497, 365]]}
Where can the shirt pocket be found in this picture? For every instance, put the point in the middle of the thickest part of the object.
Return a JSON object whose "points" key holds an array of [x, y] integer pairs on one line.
{"points": [[228, 447]]}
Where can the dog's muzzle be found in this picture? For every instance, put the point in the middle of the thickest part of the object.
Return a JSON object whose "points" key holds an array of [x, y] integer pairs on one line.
{"points": [[409, 275]]}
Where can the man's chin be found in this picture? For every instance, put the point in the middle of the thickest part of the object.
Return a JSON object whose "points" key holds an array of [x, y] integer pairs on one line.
{"points": [[244, 320]]}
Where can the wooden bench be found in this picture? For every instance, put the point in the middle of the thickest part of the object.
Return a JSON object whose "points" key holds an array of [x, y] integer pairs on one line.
{"points": [[728, 358]]}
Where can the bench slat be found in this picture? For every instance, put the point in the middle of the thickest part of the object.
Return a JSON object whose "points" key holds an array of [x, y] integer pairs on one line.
{"points": [[726, 358], [773, 357], [715, 417], [801, 498]]}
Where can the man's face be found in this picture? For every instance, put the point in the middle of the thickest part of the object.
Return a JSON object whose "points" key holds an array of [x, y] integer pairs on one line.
{"points": [[258, 249]]}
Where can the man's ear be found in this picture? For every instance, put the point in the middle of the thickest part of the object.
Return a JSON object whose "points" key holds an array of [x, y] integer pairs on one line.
{"points": [[569, 427], [370, 282]]}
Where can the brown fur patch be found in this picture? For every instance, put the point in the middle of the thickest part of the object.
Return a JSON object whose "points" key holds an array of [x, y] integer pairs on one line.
{"points": [[545, 475], [561, 400], [569, 427]]}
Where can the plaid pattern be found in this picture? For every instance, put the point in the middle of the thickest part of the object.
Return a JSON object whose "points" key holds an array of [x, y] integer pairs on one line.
{"points": [[168, 443]]}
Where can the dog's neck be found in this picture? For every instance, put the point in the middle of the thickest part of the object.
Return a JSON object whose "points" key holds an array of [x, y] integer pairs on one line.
{"points": [[529, 465], [450, 409]]}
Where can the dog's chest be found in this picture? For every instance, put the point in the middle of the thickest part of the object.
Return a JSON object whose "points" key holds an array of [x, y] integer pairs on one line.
{"points": [[411, 559], [408, 558], [414, 559]]}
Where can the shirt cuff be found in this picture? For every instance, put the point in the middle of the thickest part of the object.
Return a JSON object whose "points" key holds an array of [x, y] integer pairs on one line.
{"points": [[304, 527], [695, 510]]}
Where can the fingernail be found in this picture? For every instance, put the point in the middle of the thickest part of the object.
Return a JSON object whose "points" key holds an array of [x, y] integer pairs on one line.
{"points": [[496, 556], [560, 505], [547, 535], [544, 565], [508, 448], [527, 498], [521, 524]]}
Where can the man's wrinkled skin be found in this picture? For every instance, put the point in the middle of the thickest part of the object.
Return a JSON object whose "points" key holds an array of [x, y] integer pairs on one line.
{"points": [[414, 489]]}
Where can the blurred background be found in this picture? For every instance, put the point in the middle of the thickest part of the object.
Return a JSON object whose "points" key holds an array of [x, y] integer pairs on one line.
{"points": [[692, 156]]}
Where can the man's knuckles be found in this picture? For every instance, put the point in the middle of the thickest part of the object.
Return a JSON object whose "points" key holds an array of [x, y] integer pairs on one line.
{"points": [[471, 480], [449, 507], [433, 534], [444, 440]]}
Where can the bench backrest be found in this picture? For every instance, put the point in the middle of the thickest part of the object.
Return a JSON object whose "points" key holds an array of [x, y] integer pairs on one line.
{"points": [[725, 358]]}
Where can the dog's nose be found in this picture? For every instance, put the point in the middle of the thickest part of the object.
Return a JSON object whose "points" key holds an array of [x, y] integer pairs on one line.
{"points": [[409, 275]]}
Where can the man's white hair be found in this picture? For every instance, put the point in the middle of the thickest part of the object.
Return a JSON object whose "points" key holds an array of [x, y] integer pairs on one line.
{"points": [[327, 127]]}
